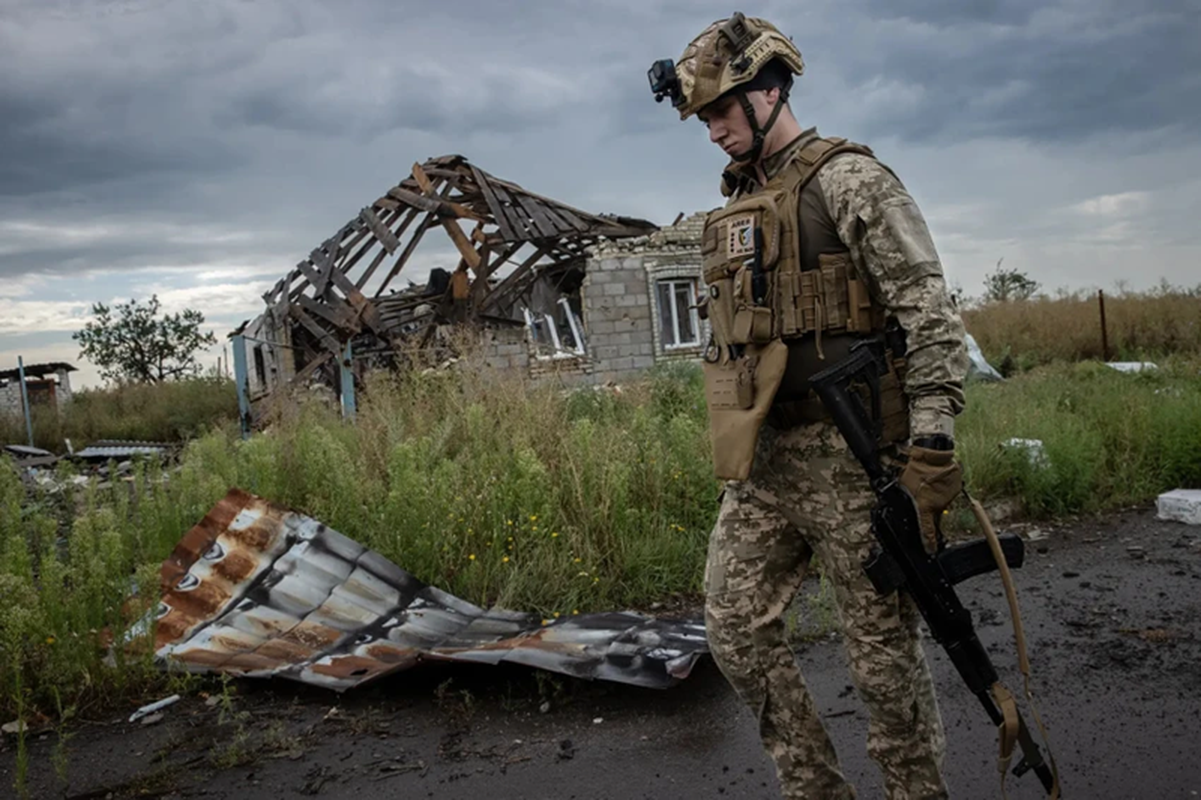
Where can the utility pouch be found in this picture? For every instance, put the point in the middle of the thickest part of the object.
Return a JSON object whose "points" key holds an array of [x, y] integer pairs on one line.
{"points": [[729, 385], [728, 251], [736, 415], [752, 323]]}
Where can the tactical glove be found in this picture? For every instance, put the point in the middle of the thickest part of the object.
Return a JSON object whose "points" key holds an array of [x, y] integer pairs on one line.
{"points": [[933, 477]]}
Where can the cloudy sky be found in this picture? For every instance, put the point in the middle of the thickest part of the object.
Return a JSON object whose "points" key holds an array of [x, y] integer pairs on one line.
{"points": [[197, 150]]}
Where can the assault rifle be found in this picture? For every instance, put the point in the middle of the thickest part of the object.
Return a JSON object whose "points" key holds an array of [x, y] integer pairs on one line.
{"points": [[900, 560]]}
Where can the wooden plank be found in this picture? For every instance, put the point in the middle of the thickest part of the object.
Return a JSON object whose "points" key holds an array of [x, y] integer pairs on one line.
{"points": [[447, 206], [427, 223], [336, 313], [480, 287], [323, 262], [544, 226], [388, 203], [330, 343], [565, 219], [427, 187], [516, 217], [410, 215], [386, 237], [498, 213], [443, 172], [497, 294], [460, 240], [413, 199], [595, 223], [460, 284]]}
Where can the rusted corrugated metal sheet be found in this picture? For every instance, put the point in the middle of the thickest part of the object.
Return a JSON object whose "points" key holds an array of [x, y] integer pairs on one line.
{"points": [[258, 590]]}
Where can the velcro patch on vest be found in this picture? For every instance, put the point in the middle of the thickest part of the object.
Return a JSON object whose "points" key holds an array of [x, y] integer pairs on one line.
{"points": [[740, 236]]}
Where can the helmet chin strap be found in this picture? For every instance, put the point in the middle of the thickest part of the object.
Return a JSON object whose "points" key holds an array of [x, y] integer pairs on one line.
{"points": [[760, 134]]}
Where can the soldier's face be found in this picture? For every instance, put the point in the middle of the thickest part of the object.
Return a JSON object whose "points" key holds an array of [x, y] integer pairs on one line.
{"points": [[728, 126]]}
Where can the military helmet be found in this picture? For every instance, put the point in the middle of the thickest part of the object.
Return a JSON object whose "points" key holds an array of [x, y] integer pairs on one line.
{"points": [[727, 55]]}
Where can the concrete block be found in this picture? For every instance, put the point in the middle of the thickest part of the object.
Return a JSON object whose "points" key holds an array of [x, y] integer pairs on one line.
{"points": [[634, 350], [604, 327], [1180, 505], [644, 362], [613, 289]]}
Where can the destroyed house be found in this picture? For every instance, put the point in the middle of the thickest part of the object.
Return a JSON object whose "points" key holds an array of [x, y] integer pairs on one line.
{"points": [[46, 384], [543, 287]]}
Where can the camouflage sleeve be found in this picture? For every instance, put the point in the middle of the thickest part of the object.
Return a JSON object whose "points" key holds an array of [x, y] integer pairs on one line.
{"points": [[880, 223]]}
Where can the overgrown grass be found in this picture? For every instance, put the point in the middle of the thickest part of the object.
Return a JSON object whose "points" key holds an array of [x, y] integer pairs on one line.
{"points": [[530, 498], [172, 412], [1109, 439], [502, 493], [1019, 335]]}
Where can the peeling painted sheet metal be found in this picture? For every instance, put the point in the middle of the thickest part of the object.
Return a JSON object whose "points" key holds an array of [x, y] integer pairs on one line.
{"points": [[120, 450], [258, 590]]}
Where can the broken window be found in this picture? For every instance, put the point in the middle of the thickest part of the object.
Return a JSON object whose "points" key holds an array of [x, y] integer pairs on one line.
{"points": [[679, 325], [558, 335], [260, 365]]}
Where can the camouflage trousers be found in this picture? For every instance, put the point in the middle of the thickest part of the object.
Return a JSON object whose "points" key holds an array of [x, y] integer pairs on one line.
{"points": [[807, 496]]}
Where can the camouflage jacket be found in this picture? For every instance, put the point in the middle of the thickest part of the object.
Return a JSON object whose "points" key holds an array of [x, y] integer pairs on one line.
{"points": [[865, 206]]}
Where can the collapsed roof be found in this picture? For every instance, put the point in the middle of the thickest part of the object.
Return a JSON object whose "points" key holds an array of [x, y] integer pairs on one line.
{"points": [[506, 238]]}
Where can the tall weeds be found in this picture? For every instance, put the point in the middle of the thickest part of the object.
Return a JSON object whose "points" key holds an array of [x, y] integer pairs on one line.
{"points": [[530, 497], [1022, 334], [172, 411]]}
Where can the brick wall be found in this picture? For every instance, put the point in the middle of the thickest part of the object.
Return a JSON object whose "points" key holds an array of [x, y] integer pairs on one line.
{"points": [[621, 313]]}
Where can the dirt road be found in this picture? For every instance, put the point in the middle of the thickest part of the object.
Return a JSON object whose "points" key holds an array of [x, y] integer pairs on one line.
{"points": [[1115, 636]]}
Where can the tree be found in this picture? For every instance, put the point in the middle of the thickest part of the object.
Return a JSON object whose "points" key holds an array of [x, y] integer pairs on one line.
{"points": [[137, 346], [1003, 285]]}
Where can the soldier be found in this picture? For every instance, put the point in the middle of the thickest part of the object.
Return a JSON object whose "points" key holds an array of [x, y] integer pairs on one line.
{"points": [[818, 246]]}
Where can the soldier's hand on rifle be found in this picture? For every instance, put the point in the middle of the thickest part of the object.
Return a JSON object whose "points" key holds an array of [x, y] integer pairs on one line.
{"points": [[933, 478]]}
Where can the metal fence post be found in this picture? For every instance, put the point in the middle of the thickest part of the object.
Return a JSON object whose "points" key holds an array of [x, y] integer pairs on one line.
{"points": [[242, 381], [348, 406], [25, 399]]}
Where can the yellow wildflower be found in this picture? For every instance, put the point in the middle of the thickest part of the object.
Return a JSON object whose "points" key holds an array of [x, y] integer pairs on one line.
{"points": [[554, 535], [505, 560], [575, 611], [471, 557]]}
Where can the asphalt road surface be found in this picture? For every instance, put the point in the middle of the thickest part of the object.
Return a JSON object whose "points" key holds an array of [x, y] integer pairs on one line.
{"points": [[1115, 639]]}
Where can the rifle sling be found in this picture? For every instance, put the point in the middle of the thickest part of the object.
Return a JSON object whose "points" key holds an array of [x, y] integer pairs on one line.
{"points": [[1013, 729]]}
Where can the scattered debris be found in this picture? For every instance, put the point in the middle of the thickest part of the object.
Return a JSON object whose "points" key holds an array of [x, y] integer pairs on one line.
{"points": [[1131, 366], [15, 727], [1154, 635], [258, 590], [153, 719], [1136, 551], [149, 709], [121, 451], [979, 368], [1037, 535], [1034, 450], [1180, 505]]}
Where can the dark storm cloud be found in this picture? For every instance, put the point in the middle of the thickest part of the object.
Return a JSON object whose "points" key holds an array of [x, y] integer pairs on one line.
{"points": [[1056, 73], [285, 117]]}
